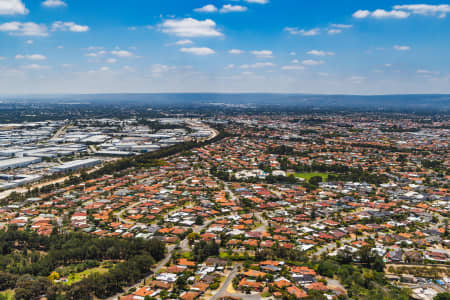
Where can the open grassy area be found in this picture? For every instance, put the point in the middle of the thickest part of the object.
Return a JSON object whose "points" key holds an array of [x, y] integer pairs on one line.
{"points": [[187, 255], [9, 294], [308, 176], [73, 278]]}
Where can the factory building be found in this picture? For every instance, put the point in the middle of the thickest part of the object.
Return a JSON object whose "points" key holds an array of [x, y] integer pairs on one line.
{"points": [[75, 165], [18, 162]]}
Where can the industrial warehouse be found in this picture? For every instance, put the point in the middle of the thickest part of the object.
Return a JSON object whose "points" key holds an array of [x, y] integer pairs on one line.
{"points": [[32, 151]]}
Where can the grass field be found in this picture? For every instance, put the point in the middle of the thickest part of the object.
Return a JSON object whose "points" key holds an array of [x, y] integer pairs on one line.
{"points": [[73, 278], [307, 176], [9, 294]]}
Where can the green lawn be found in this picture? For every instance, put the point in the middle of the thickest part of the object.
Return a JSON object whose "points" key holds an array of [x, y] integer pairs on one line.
{"points": [[8, 293], [73, 278], [307, 176], [187, 255]]}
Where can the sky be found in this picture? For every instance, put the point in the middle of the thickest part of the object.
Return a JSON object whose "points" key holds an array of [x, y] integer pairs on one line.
{"points": [[234, 46]]}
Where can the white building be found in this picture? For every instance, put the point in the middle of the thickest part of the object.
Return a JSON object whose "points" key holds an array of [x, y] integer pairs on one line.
{"points": [[18, 162], [75, 165]]}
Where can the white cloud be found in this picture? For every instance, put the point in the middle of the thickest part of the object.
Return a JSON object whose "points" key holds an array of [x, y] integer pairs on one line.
{"points": [[311, 62], [95, 54], [333, 31], [29, 42], [31, 57], [342, 26], [236, 51], [404, 11], [227, 8], [12, 7], [381, 14], [54, 3], [320, 53], [426, 9], [35, 67], [209, 8], [293, 68], [397, 14], [2, 58], [158, 70], [69, 26], [122, 53], [426, 72], [190, 27], [361, 14], [357, 79], [402, 48], [297, 31], [24, 29], [337, 28], [93, 48], [184, 42], [229, 67], [295, 61], [201, 51], [258, 65], [262, 53], [111, 60], [104, 69], [421, 71]]}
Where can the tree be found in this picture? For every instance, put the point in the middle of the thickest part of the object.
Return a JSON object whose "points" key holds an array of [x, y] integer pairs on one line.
{"points": [[327, 268], [204, 249], [365, 255], [315, 180], [29, 288], [442, 296], [53, 276], [378, 264], [199, 220], [192, 237], [446, 233], [181, 282]]}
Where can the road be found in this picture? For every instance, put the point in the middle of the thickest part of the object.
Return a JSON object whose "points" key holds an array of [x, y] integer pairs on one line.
{"points": [[171, 249], [120, 213], [222, 291], [264, 223], [197, 123], [155, 269], [59, 132], [22, 189], [328, 247]]}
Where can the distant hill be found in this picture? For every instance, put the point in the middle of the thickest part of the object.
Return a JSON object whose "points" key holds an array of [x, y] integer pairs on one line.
{"points": [[438, 102]]}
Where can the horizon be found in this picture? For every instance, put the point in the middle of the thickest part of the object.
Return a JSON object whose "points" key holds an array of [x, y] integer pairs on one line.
{"points": [[221, 93]]}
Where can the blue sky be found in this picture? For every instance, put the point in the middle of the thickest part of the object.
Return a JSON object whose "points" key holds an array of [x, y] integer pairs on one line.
{"points": [[287, 46]]}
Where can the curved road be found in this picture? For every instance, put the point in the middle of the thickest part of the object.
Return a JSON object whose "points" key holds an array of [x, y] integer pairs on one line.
{"points": [[222, 291]]}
